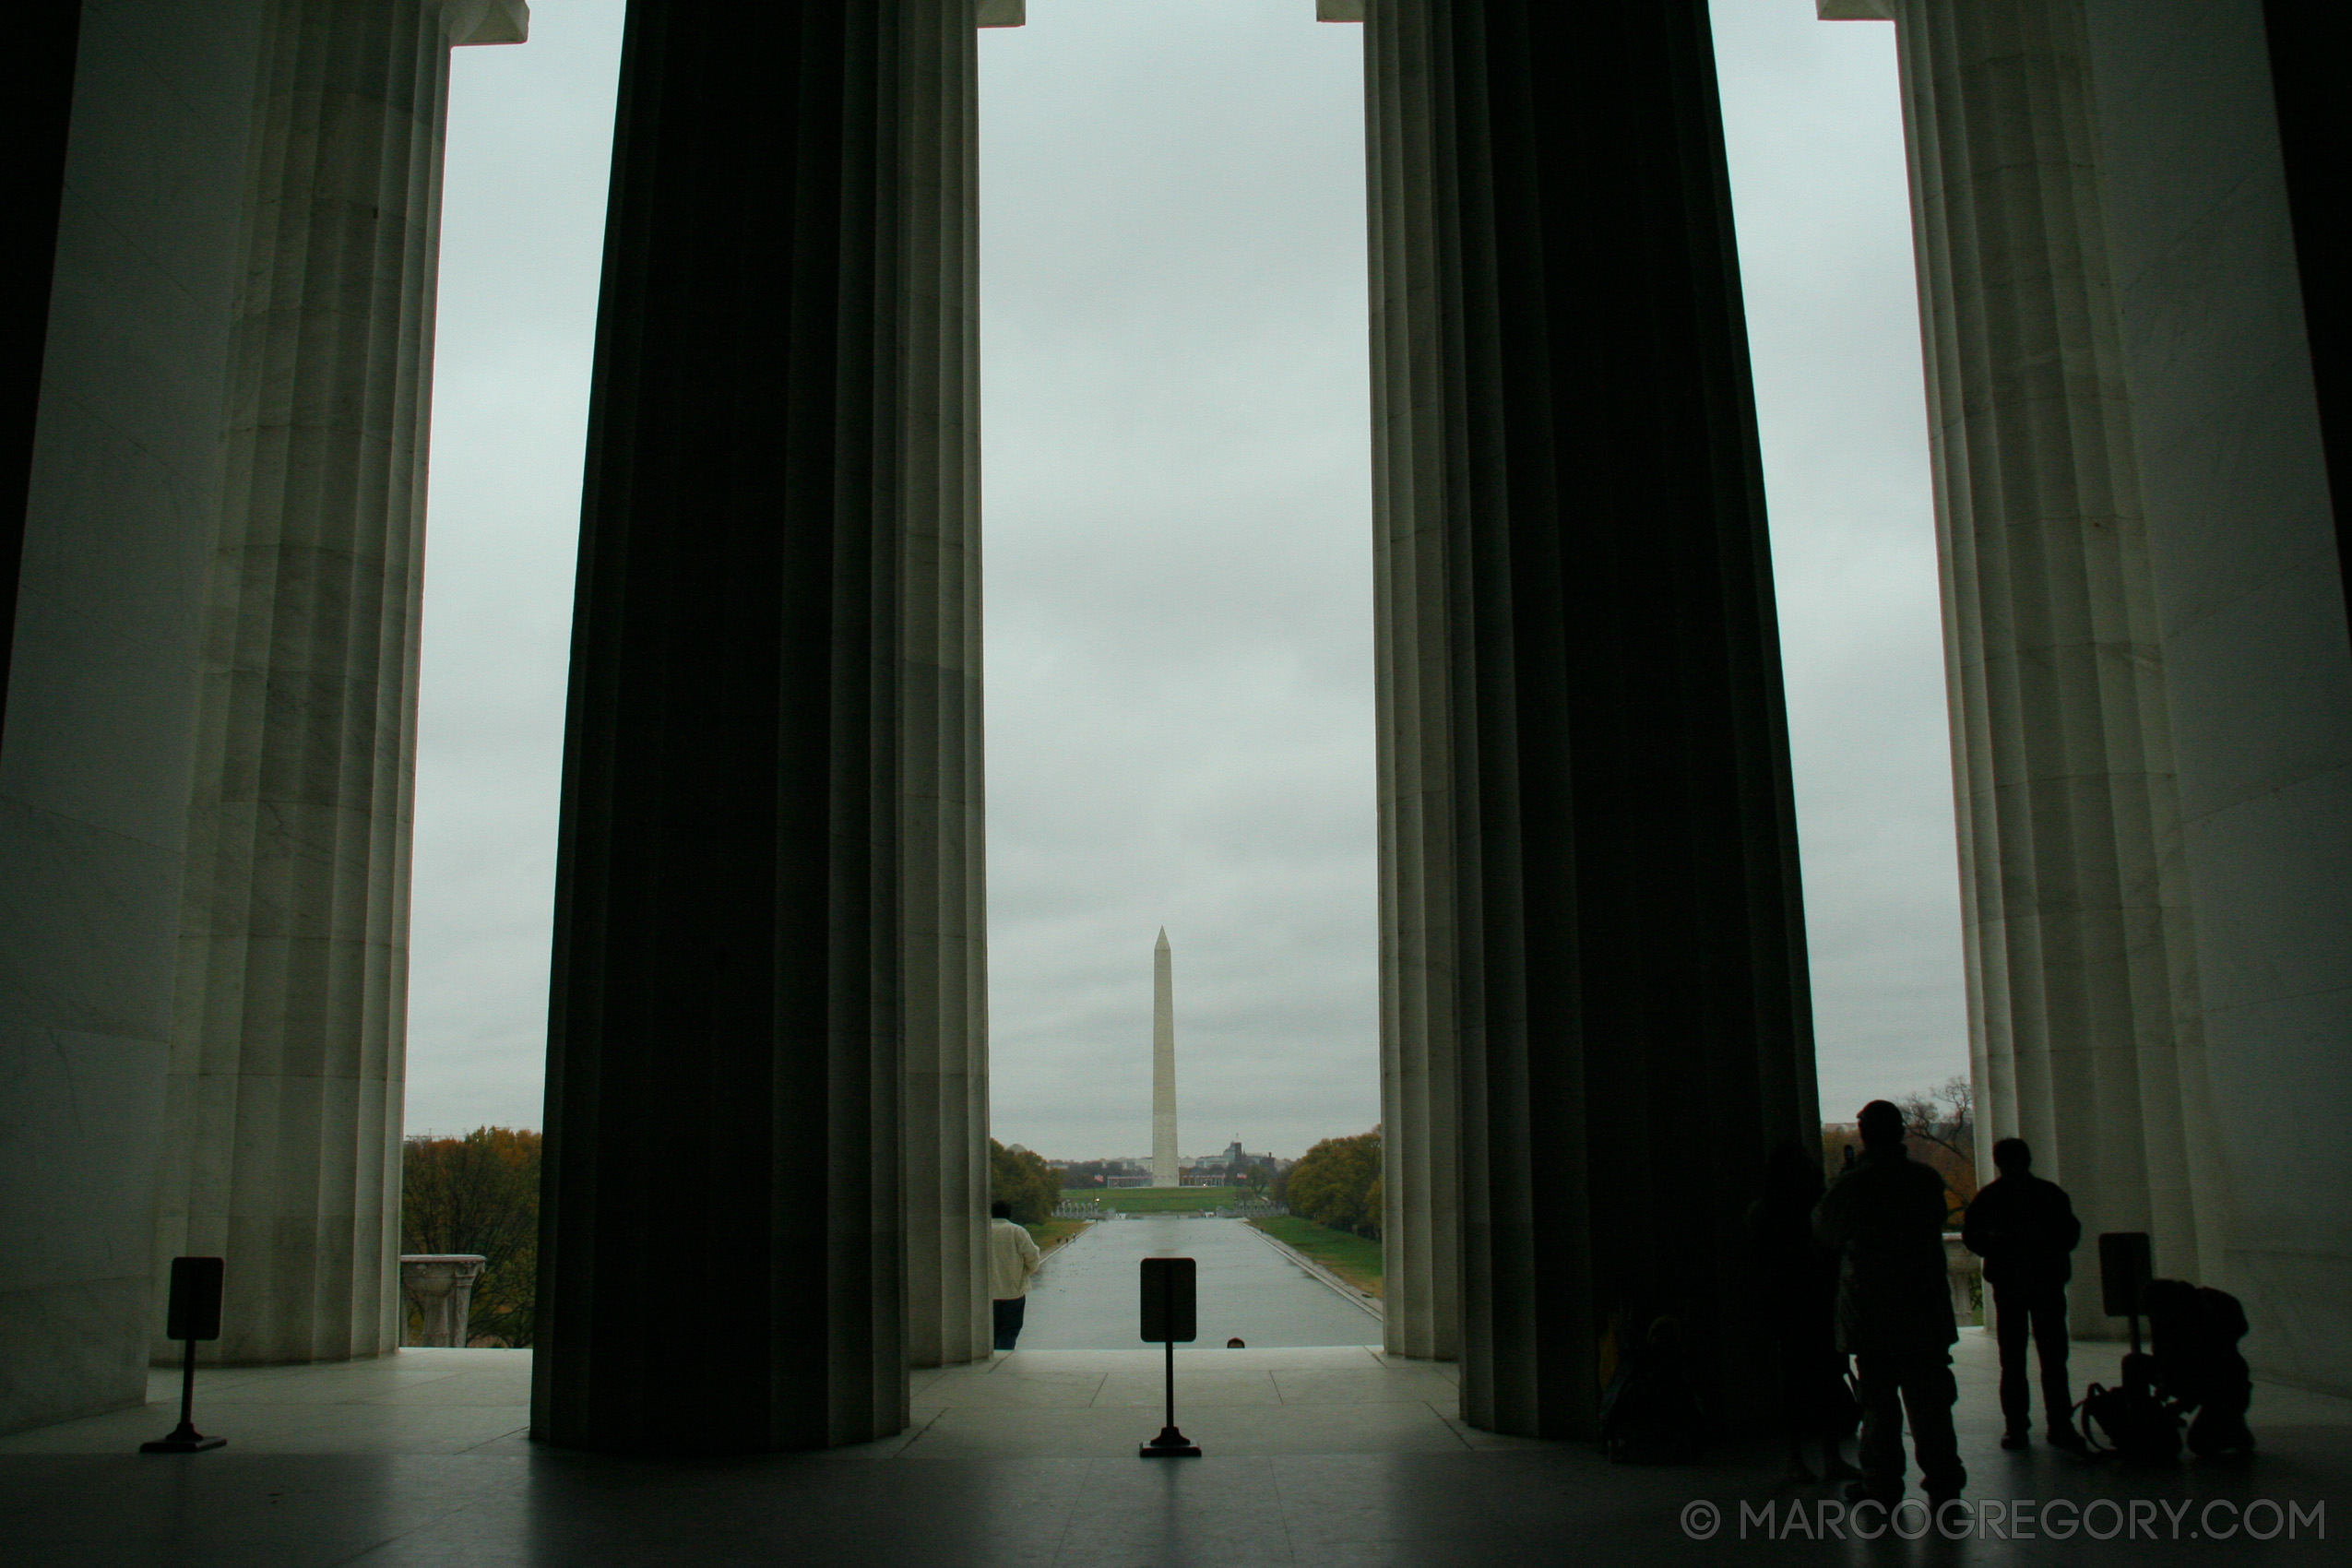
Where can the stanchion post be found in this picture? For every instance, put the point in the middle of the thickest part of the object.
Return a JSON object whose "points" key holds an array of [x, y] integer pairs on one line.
{"points": [[1171, 1312], [194, 1314]]}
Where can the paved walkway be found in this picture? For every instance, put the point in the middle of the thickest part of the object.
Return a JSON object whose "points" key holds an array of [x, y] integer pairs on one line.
{"points": [[1086, 1298]]}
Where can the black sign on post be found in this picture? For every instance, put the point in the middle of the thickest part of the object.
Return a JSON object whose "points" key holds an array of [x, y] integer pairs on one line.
{"points": [[191, 1314], [2126, 1265], [1171, 1312]]}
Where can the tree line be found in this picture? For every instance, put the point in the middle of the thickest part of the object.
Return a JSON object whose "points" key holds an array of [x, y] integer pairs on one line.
{"points": [[1022, 1178], [479, 1193], [1337, 1183]]}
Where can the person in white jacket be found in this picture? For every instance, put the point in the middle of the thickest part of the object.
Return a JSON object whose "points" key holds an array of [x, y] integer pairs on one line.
{"points": [[1012, 1257]]}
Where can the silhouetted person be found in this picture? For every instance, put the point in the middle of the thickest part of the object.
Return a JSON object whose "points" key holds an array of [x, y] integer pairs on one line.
{"points": [[1012, 1257], [1885, 1218], [2193, 1336], [2025, 1230], [1800, 1280]]}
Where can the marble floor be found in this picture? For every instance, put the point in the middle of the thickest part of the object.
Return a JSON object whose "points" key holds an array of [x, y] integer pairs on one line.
{"points": [[1315, 1456]]}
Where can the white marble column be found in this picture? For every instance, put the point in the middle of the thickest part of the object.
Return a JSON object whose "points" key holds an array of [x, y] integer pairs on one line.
{"points": [[1592, 935], [282, 1114], [943, 876], [2084, 1028], [1421, 1186], [767, 1030]]}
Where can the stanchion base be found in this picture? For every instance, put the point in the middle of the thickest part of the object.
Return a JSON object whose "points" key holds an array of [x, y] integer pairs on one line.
{"points": [[187, 1440], [1170, 1445]]}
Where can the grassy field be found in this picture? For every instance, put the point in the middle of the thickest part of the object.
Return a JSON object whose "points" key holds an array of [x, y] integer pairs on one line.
{"points": [[1055, 1232], [1155, 1200], [1353, 1258]]}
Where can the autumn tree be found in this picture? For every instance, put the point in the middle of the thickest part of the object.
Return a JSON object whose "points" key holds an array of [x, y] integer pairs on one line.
{"points": [[479, 1193], [1338, 1183], [1022, 1178], [1940, 1127]]}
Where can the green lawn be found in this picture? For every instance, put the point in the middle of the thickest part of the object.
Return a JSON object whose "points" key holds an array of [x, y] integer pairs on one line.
{"points": [[1154, 1200], [1353, 1258], [1054, 1232]]}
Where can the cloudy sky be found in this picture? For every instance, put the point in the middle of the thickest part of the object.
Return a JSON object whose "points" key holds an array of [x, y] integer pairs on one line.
{"points": [[1178, 571]]}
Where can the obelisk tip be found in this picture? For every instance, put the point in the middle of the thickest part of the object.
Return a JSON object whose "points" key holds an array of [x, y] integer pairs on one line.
{"points": [[1163, 936]]}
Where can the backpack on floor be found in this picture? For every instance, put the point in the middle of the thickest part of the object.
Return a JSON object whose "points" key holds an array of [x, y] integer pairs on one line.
{"points": [[2132, 1422]]}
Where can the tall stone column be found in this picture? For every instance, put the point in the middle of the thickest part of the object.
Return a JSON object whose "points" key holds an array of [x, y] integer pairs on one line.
{"points": [[942, 866], [282, 1108], [2086, 1030], [1421, 1228], [1576, 597], [768, 864]]}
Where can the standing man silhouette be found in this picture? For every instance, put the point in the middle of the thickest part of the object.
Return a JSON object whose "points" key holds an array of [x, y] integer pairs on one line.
{"points": [[1885, 1218], [1012, 1257], [2025, 1230]]}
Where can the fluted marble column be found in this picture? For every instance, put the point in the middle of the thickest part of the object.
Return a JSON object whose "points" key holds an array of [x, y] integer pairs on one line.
{"points": [[1420, 1225], [1587, 821], [943, 868], [282, 1111], [2086, 1033], [764, 1031]]}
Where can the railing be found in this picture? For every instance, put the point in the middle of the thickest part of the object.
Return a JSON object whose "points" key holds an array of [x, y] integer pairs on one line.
{"points": [[1965, 1274], [440, 1287]]}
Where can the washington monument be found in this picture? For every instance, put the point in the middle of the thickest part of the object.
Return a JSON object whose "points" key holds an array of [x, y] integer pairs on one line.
{"points": [[1163, 1068]]}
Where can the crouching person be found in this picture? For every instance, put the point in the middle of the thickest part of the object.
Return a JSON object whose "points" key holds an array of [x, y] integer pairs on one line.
{"points": [[2194, 1334]]}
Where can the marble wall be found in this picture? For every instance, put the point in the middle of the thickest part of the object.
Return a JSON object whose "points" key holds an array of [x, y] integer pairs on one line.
{"points": [[2249, 602], [94, 766]]}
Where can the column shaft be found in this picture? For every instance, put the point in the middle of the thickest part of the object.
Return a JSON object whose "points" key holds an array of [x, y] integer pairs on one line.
{"points": [[944, 914], [282, 1116], [2086, 1032], [1420, 1227], [771, 721], [1581, 675]]}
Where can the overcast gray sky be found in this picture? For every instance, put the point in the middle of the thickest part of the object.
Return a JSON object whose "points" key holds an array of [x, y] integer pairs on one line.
{"points": [[1179, 567]]}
